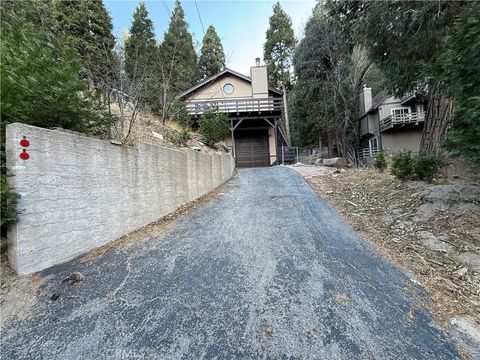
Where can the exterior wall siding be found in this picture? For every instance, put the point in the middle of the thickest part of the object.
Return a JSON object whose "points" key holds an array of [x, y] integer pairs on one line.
{"points": [[78, 192], [386, 108], [393, 142], [242, 89]]}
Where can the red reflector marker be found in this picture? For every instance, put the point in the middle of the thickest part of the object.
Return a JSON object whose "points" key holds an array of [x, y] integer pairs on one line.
{"points": [[24, 155], [24, 143]]}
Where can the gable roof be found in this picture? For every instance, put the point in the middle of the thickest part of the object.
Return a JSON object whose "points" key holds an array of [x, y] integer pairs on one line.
{"points": [[378, 99], [216, 76]]}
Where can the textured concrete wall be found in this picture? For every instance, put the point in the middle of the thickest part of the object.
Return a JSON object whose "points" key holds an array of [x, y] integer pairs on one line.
{"points": [[78, 193]]}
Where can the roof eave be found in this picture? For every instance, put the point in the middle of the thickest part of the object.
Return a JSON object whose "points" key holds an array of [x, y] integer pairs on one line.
{"points": [[213, 77]]}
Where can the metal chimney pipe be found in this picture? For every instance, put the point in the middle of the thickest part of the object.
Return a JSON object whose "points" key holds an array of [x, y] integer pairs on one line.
{"points": [[257, 61]]}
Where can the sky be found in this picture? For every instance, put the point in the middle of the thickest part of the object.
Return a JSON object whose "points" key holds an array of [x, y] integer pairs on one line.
{"points": [[241, 24]]}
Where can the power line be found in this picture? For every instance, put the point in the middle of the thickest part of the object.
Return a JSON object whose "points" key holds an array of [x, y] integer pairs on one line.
{"points": [[166, 8], [200, 18]]}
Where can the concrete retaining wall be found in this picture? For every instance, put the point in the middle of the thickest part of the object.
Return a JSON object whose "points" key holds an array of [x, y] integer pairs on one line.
{"points": [[78, 193]]}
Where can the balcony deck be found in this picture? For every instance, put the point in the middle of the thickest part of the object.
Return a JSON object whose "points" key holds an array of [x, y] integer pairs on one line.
{"points": [[399, 120], [368, 152], [244, 105]]}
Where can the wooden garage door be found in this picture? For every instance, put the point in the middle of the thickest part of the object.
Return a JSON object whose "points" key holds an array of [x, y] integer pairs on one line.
{"points": [[251, 148]]}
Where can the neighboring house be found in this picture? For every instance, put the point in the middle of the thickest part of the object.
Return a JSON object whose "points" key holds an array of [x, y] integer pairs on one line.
{"points": [[254, 110], [389, 124]]}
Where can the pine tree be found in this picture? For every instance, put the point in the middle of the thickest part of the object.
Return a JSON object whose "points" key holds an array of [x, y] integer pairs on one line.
{"points": [[140, 58], [179, 68], [140, 46], [278, 48], [87, 27], [212, 57]]}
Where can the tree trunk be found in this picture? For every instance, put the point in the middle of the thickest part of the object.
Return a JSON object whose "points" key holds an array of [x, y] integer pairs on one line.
{"points": [[285, 113], [439, 112], [339, 162], [329, 144]]}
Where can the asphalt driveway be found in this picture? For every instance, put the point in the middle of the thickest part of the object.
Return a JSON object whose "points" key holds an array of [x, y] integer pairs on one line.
{"points": [[266, 271]]}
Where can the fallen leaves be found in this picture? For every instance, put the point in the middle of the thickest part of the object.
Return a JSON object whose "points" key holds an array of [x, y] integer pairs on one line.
{"points": [[440, 244]]}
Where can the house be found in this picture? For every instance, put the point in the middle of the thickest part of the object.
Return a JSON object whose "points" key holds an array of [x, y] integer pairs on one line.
{"points": [[254, 110], [389, 124]]}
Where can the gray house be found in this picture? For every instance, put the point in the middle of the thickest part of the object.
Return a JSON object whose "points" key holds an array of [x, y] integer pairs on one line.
{"points": [[254, 110], [389, 124]]}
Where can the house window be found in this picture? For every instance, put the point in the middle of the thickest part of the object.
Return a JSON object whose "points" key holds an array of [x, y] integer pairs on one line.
{"points": [[228, 88], [373, 147], [400, 111]]}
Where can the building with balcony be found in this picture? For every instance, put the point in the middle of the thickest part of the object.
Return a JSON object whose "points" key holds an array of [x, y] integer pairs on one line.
{"points": [[254, 110], [389, 124]]}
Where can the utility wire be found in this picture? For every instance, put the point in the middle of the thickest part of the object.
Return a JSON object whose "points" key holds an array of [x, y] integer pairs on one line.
{"points": [[198, 12], [166, 8]]}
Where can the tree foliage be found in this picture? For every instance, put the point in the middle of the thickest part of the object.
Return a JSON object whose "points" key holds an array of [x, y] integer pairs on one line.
{"points": [[278, 48], [459, 72], [40, 82], [212, 57], [329, 74], [214, 126], [404, 40], [177, 51], [140, 56], [86, 26], [180, 114], [178, 60]]}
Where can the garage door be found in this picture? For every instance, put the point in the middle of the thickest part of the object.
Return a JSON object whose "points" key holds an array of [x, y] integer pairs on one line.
{"points": [[252, 148]]}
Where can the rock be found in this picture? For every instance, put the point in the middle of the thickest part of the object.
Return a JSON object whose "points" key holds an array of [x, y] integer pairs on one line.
{"points": [[472, 259], [73, 278], [318, 161], [433, 242], [222, 146], [461, 272], [157, 135], [336, 162]]}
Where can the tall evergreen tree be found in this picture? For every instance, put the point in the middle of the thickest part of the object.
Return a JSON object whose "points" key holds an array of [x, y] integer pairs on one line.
{"points": [[278, 48], [179, 68], [140, 46], [87, 27], [140, 55], [212, 57], [178, 53]]}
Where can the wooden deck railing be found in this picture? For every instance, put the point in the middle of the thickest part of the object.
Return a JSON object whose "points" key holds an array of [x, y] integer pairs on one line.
{"points": [[402, 119], [368, 152], [197, 107]]}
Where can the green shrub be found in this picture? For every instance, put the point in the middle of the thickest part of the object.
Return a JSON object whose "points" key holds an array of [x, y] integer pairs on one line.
{"points": [[179, 113], [380, 163], [178, 138], [419, 167], [41, 85], [426, 166], [8, 208], [214, 126], [402, 165]]}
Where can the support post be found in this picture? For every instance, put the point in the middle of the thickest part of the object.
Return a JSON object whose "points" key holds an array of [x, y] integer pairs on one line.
{"points": [[297, 154], [283, 158], [233, 140]]}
